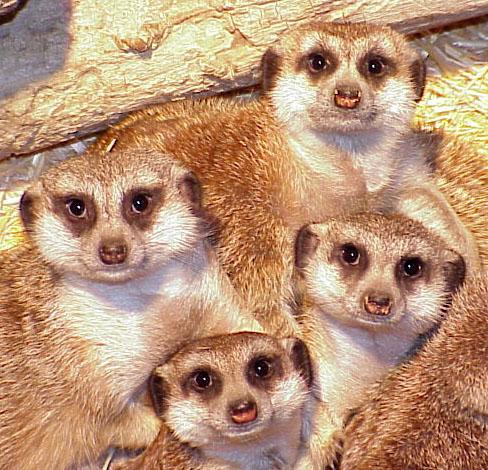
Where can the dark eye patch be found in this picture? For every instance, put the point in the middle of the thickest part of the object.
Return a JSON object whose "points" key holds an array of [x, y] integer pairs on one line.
{"points": [[376, 66], [262, 369], [140, 205], [318, 62], [411, 268], [352, 256], [77, 211], [204, 382]]}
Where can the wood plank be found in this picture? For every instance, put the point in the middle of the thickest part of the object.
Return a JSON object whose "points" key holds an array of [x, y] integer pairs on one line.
{"points": [[69, 67]]}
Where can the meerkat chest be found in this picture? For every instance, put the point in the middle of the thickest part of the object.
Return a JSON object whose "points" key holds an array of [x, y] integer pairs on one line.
{"points": [[326, 183], [128, 326], [259, 456], [351, 360], [338, 169], [277, 449]]}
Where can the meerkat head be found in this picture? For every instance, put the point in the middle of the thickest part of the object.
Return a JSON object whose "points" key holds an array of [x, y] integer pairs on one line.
{"points": [[335, 79], [115, 217], [377, 270], [228, 390]]}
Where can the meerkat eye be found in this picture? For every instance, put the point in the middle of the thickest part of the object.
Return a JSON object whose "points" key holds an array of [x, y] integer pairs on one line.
{"points": [[76, 208], [412, 267], [376, 66], [317, 62], [350, 254], [140, 202], [201, 380], [262, 368]]}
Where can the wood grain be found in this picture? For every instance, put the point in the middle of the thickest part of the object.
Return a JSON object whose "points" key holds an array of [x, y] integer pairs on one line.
{"points": [[69, 67]]}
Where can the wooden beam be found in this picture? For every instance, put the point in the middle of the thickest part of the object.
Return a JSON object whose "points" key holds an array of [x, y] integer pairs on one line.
{"points": [[69, 67]]}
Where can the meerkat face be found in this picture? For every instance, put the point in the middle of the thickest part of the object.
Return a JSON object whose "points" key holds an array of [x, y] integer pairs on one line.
{"points": [[112, 218], [232, 389], [340, 78], [377, 270]]}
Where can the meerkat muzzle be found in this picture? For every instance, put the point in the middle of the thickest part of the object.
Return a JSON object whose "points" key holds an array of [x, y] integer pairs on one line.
{"points": [[377, 305], [347, 99], [244, 412]]}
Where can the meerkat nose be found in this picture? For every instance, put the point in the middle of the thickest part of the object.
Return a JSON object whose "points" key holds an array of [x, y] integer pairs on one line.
{"points": [[112, 252], [377, 304], [243, 412], [347, 98]]}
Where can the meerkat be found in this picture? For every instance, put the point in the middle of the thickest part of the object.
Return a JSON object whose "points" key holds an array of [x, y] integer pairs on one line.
{"points": [[349, 93], [431, 412], [331, 134], [230, 402], [116, 273], [371, 285]]}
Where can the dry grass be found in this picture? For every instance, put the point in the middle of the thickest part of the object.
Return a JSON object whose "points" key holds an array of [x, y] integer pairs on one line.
{"points": [[458, 104]]}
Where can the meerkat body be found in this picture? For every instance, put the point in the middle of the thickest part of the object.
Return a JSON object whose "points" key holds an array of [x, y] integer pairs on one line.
{"points": [[115, 275], [232, 402], [372, 285], [462, 176], [310, 148], [345, 96], [431, 412]]}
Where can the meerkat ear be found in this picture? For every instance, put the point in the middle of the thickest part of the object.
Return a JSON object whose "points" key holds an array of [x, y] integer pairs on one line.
{"points": [[191, 190], [270, 66], [300, 357], [306, 244], [27, 208], [418, 72], [454, 271], [158, 389]]}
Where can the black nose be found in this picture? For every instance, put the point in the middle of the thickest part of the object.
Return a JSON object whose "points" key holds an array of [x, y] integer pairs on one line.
{"points": [[112, 252], [377, 304], [347, 98], [243, 412]]}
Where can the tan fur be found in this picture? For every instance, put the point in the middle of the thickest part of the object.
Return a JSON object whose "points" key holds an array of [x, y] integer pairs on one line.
{"points": [[350, 347], [431, 413], [388, 161], [261, 181], [198, 431], [236, 154], [462, 176], [78, 340]]}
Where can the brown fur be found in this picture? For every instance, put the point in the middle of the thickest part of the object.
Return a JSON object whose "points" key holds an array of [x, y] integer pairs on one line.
{"points": [[166, 452], [198, 432], [431, 413], [351, 348], [77, 346], [258, 188], [462, 176], [247, 176]]}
